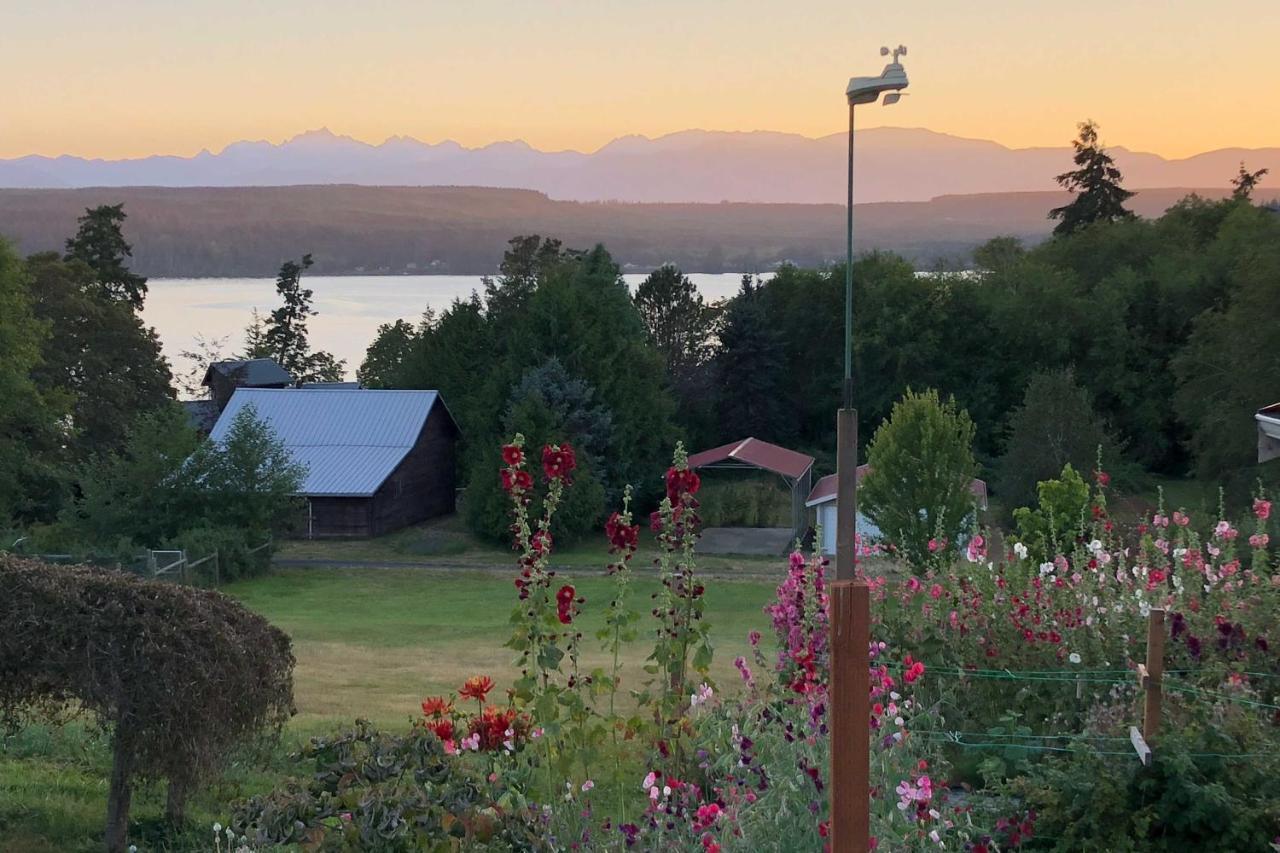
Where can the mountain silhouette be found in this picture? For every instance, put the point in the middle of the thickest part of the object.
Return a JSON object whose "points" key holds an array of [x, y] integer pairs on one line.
{"points": [[893, 164]]}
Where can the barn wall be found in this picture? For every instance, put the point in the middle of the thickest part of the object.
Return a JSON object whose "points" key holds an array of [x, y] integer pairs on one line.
{"points": [[424, 485], [339, 517]]}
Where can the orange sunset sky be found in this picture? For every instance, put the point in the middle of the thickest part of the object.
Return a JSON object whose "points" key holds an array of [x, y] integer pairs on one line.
{"points": [[125, 78]]}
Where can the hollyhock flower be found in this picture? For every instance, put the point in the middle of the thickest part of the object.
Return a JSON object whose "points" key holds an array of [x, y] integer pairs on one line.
{"points": [[1020, 550], [1159, 520], [1259, 540], [558, 461], [521, 481], [436, 706], [540, 542], [1261, 508], [1181, 519], [934, 545], [977, 549], [1102, 478], [622, 537], [512, 455], [587, 786], [477, 687], [564, 604], [681, 482], [935, 591]]}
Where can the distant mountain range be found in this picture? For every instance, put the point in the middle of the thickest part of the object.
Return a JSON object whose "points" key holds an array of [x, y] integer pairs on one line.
{"points": [[893, 164], [249, 231]]}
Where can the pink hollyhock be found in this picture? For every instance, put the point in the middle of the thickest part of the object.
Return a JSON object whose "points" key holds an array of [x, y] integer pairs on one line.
{"points": [[1261, 508]]}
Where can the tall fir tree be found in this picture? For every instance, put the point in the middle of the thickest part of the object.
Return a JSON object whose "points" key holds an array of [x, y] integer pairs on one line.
{"points": [[284, 336], [751, 370], [99, 243], [1095, 183]]}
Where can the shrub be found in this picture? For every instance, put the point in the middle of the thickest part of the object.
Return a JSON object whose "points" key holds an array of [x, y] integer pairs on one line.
{"points": [[233, 547], [1055, 426], [369, 790], [922, 468], [178, 674], [1055, 523], [1193, 796]]}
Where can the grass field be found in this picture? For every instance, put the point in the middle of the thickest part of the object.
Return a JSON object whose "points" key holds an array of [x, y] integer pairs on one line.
{"points": [[448, 541], [369, 643], [374, 642]]}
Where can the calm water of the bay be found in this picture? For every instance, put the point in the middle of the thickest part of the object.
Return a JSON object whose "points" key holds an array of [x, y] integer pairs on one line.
{"points": [[350, 307]]}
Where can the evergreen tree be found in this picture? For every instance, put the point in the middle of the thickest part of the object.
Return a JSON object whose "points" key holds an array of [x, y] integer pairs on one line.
{"points": [[98, 355], [30, 438], [284, 336], [385, 359], [1244, 183], [751, 370], [682, 327], [1056, 425], [100, 244], [1095, 185], [527, 260]]}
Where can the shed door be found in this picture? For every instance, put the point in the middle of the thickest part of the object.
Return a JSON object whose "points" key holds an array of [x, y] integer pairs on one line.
{"points": [[828, 519]]}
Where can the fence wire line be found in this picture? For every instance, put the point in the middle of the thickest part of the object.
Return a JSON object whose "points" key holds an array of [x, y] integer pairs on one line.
{"points": [[1043, 748]]}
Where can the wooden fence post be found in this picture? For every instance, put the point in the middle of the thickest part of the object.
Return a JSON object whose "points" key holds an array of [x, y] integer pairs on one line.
{"points": [[1150, 676], [850, 709]]}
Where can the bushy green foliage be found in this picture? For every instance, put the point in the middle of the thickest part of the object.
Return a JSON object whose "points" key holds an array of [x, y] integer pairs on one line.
{"points": [[167, 489], [546, 304], [1060, 513], [744, 502], [1056, 425], [368, 790], [30, 438], [178, 675], [921, 473], [1194, 796], [97, 355]]}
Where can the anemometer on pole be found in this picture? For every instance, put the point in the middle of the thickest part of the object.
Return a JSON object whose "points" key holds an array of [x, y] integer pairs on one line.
{"points": [[850, 616]]}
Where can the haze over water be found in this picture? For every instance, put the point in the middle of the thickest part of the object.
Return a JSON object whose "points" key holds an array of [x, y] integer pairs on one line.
{"points": [[350, 307]]}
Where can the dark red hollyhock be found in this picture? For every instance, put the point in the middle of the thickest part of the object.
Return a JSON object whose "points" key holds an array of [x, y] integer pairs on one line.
{"points": [[681, 482], [564, 604], [622, 537], [558, 462], [521, 480], [655, 521], [1103, 478], [540, 542], [513, 456]]}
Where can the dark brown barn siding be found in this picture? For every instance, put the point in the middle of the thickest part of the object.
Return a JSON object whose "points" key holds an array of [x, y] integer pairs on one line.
{"points": [[424, 484], [339, 518]]}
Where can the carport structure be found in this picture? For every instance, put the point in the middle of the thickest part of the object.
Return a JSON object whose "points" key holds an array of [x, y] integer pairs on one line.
{"points": [[795, 469]]}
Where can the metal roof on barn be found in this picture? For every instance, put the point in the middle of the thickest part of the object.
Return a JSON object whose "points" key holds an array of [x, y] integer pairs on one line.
{"points": [[251, 372], [825, 489], [757, 454], [349, 440]]}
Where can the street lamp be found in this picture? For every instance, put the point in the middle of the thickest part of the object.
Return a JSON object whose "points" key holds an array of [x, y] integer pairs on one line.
{"points": [[861, 90]]}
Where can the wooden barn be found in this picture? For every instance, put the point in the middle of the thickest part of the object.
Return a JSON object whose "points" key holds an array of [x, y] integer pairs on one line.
{"points": [[224, 377], [376, 460]]}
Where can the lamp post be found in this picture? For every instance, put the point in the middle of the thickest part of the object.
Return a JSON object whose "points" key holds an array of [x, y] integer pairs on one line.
{"points": [[850, 613], [861, 90]]}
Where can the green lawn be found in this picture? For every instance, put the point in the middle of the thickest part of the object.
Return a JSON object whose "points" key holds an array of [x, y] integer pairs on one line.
{"points": [[447, 541], [369, 643], [374, 642]]}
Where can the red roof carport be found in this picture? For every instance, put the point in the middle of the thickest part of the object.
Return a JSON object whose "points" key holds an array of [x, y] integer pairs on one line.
{"points": [[794, 467]]}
